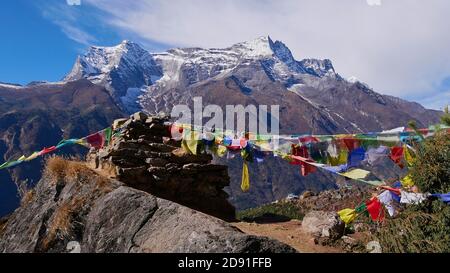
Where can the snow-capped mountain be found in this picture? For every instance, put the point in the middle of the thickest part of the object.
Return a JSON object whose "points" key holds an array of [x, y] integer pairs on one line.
{"points": [[123, 69], [262, 71], [193, 65], [128, 71]]}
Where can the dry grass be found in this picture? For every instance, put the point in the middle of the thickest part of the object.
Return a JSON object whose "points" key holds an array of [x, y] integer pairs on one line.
{"points": [[63, 221], [88, 186], [27, 197], [3, 222], [62, 170]]}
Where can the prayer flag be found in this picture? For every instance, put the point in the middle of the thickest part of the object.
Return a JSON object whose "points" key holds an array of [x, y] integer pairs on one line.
{"points": [[356, 174], [375, 209], [347, 215], [245, 184]]}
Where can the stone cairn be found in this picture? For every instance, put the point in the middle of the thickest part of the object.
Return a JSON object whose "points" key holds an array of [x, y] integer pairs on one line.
{"points": [[144, 157]]}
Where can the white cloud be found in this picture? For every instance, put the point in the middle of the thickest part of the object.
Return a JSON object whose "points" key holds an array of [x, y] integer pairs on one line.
{"points": [[75, 33], [437, 101], [398, 48], [66, 17]]}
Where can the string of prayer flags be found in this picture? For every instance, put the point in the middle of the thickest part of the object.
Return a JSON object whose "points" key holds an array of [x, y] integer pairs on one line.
{"points": [[97, 140]]}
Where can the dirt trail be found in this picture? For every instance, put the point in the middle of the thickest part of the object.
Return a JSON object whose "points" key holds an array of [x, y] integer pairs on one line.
{"points": [[289, 233]]}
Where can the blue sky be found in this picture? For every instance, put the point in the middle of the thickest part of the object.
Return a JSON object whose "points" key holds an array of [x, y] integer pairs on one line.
{"points": [[398, 47], [37, 45]]}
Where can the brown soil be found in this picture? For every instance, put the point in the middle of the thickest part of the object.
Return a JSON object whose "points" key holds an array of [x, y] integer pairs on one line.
{"points": [[289, 233]]}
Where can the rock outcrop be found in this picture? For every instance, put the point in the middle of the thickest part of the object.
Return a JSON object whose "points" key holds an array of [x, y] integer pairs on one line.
{"points": [[73, 208], [324, 224], [143, 157]]}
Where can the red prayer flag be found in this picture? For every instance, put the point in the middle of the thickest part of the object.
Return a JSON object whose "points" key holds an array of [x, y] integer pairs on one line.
{"points": [[397, 155], [375, 209], [351, 143], [96, 140], [47, 150], [396, 191], [301, 152], [308, 139]]}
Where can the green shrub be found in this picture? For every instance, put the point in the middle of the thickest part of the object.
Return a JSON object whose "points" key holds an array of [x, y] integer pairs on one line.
{"points": [[271, 212], [418, 229], [424, 228], [445, 119], [431, 171]]}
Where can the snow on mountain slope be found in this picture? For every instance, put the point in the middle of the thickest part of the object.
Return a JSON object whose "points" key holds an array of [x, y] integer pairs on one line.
{"points": [[118, 68], [199, 64], [156, 82], [127, 66]]}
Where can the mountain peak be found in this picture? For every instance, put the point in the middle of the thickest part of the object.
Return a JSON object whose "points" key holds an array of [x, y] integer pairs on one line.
{"points": [[258, 47], [100, 60], [126, 42]]}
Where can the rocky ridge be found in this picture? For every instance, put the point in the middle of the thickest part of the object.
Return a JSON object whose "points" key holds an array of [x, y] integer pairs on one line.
{"points": [[74, 209]]}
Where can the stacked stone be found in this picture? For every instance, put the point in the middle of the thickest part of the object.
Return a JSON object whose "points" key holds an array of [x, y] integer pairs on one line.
{"points": [[144, 157]]}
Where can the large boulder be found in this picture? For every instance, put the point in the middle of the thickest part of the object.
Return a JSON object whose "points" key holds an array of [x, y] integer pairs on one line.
{"points": [[74, 209], [323, 224]]}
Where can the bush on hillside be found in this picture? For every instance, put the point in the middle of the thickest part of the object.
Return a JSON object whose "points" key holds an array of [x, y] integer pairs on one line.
{"points": [[431, 171], [280, 211], [424, 228]]}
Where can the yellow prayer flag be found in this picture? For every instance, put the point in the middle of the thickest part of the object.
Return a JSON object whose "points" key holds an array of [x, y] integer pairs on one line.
{"points": [[32, 157], [22, 158], [347, 215], [408, 156], [340, 159], [407, 181], [356, 174], [221, 150], [190, 141], [245, 185]]}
